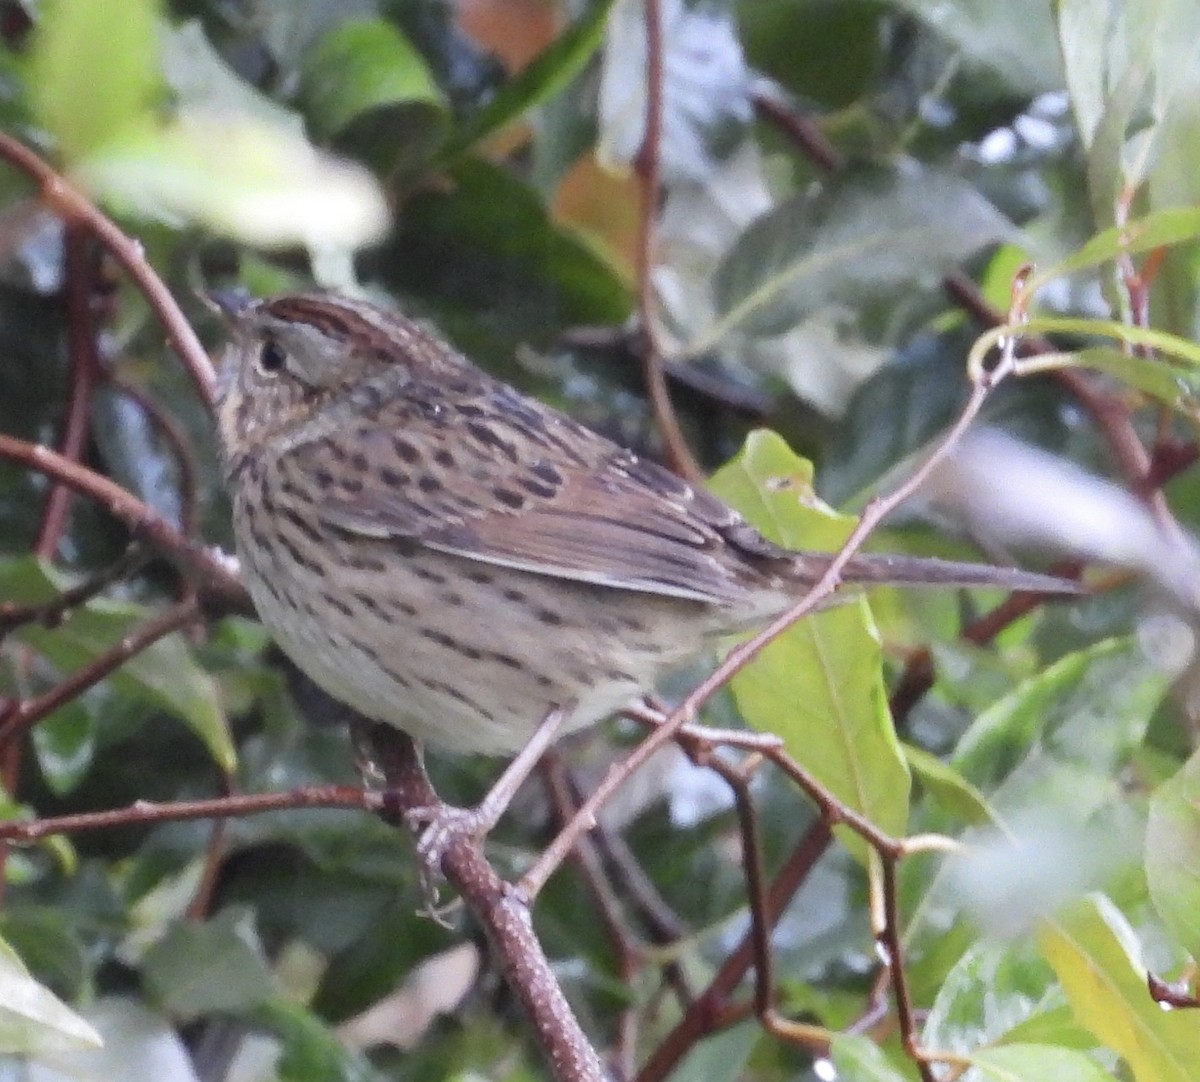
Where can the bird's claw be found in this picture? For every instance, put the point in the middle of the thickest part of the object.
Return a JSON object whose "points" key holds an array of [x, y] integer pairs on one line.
{"points": [[438, 827]]}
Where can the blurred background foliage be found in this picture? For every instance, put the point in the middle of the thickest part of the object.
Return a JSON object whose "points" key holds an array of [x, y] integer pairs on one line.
{"points": [[827, 169]]}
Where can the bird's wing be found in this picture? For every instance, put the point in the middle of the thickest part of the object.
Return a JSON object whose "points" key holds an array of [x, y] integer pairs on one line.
{"points": [[486, 474]]}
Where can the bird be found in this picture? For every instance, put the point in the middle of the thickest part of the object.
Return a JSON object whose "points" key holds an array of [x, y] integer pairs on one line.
{"points": [[448, 555]]}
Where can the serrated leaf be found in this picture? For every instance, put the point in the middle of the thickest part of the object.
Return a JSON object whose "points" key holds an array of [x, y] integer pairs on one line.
{"points": [[546, 75], [1173, 854], [198, 968], [1095, 954], [34, 1021], [820, 685], [94, 71], [368, 89], [865, 235], [1037, 1063]]}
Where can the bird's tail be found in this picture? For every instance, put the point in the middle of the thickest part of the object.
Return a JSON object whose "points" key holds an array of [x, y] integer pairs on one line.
{"points": [[886, 570]]}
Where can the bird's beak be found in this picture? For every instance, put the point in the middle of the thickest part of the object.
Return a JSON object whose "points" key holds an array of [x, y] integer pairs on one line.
{"points": [[227, 303]]}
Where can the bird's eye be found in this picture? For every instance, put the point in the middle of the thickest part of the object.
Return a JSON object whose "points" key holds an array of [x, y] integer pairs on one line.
{"points": [[271, 357]]}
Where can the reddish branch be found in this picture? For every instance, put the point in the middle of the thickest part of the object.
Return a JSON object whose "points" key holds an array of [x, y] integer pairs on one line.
{"points": [[78, 280], [499, 909], [646, 165], [77, 210], [17, 716], [146, 812], [211, 571]]}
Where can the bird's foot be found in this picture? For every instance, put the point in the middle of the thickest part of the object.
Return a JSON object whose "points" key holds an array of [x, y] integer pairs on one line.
{"points": [[438, 827]]}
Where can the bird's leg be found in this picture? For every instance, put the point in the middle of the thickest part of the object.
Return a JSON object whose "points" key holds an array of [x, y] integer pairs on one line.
{"points": [[440, 825]]}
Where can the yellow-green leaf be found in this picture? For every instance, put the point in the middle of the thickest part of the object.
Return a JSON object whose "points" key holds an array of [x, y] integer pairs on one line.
{"points": [[1094, 952], [820, 685], [95, 71]]}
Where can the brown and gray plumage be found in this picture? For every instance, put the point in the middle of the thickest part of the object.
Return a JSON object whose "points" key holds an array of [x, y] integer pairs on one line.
{"points": [[446, 554]]}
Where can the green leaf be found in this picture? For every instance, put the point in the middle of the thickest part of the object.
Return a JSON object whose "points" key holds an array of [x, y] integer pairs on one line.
{"points": [[367, 88], [859, 1059], [866, 234], [1095, 954], [1173, 854], [820, 685], [1174, 382], [65, 743], [1037, 1063], [540, 80], [992, 988], [33, 1020], [219, 965], [165, 675], [948, 787], [490, 245], [94, 71], [1088, 711], [310, 1049], [1163, 228], [1015, 40], [273, 190]]}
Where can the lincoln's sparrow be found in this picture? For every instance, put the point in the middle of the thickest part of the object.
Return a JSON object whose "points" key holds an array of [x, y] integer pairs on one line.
{"points": [[445, 554]]}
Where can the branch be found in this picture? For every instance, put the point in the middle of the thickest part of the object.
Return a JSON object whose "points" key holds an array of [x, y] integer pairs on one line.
{"points": [[79, 276], [392, 757], [741, 656], [21, 714], [646, 167], [204, 565], [76, 209], [142, 812]]}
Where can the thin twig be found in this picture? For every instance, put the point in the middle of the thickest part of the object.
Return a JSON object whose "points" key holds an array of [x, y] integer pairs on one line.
{"points": [[711, 1010], [19, 715], [646, 165], [79, 278], [51, 613], [213, 573], [171, 432], [142, 812], [75, 207], [740, 656], [891, 942]]}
